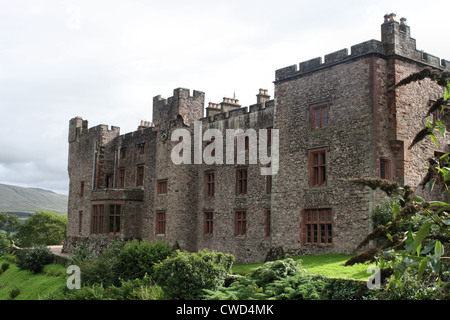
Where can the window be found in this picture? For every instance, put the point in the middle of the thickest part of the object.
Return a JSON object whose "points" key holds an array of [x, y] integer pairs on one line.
{"points": [[319, 116], [141, 148], [209, 179], [82, 188], [240, 223], [269, 137], [318, 167], [269, 184], [80, 221], [318, 226], [122, 178], [267, 223], [97, 218], [385, 169], [161, 187], [160, 223], [140, 175], [208, 222], [241, 181], [114, 218], [123, 153]]}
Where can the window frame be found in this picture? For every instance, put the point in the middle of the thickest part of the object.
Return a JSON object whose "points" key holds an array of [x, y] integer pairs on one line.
{"points": [[98, 218], [160, 223], [322, 118], [121, 177], [116, 218], [242, 181], [140, 171], [208, 222], [387, 163], [210, 178], [318, 172], [308, 234], [161, 187], [240, 223]]}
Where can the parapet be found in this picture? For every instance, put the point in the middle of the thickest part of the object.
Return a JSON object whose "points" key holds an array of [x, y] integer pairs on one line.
{"points": [[189, 107], [230, 108], [395, 40], [79, 127]]}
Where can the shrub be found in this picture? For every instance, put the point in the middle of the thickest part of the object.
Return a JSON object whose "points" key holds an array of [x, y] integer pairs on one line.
{"points": [[14, 293], [34, 259], [299, 286], [137, 258], [274, 270], [100, 269], [185, 275], [5, 266], [280, 280], [138, 289], [80, 253]]}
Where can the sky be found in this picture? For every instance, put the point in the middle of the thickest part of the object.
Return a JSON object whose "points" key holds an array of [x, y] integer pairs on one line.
{"points": [[105, 61]]}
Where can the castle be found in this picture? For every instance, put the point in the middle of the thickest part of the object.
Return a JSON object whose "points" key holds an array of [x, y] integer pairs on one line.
{"points": [[335, 119]]}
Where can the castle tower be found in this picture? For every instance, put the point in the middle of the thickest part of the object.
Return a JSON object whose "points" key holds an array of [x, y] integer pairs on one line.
{"points": [[181, 103]]}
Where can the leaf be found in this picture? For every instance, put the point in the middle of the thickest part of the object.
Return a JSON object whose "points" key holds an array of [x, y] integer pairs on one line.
{"points": [[447, 92], [434, 139], [438, 249], [420, 235], [418, 199], [396, 209], [422, 267]]}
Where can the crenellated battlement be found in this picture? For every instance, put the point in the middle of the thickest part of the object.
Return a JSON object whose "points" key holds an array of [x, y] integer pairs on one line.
{"points": [[395, 41], [79, 128], [260, 106]]}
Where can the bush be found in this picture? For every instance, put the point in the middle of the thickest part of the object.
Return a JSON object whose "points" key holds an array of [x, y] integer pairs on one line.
{"points": [[137, 258], [34, 259], [279, 280], [100, 269], [5, 266], [14, 293], [138, 289], [185, 275]]}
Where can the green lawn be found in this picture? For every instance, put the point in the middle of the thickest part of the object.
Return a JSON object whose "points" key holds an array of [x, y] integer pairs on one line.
{"points": [[328, 265], [32, 286]]}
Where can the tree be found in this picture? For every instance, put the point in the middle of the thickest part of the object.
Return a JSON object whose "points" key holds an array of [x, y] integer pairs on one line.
{"points": [[42, 228], [420, 251]]}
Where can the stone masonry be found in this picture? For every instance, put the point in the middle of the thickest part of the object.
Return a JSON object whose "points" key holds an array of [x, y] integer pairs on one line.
{"points": [[336, 119]]}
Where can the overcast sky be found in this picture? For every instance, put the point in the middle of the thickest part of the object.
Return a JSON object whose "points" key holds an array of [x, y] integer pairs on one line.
{"points": [[106, 60]]}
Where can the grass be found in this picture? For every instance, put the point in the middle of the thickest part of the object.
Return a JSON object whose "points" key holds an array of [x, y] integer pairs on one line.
{"points": [[32, 286], [328, 265]]}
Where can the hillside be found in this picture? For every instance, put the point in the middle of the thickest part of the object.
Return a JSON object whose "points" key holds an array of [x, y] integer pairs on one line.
{"points": [[19, 199]]}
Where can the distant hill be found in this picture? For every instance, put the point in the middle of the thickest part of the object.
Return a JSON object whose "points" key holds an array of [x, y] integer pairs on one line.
{"points": [[20, 199]]}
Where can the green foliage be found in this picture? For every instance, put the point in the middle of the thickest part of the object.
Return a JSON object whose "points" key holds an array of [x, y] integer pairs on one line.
{"points": [[275, 280], [137, 258], [14, 293], [275, 270], [185, 275], [299, 286], [138, 289], [42, 228], [100, 268], [34, 259], [5, 244], [4, 267]]}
